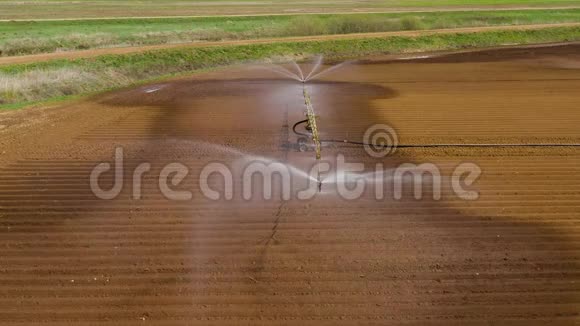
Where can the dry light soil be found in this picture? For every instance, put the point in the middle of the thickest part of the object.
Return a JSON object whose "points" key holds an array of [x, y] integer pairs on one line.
{"points": [[510, 258]]}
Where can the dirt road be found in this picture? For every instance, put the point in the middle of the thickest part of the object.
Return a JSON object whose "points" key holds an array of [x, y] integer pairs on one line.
{"points": [[137, 49], [510, 257]]}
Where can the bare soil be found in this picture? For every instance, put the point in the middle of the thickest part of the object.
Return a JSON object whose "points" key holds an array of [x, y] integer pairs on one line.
{"points": [[509, 258]]}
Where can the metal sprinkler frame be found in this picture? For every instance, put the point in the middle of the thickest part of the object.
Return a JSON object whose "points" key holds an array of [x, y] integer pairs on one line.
{"points": [[312, 122], [314, 130]]}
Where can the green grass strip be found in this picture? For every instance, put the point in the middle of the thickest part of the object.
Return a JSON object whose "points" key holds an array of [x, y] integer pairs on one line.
{"points": [[66, 78], [30, 37]]}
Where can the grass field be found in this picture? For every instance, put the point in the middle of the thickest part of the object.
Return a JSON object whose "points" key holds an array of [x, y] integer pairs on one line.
{"points": [[54, 9], [21, 85], [41, 81], [19, 38]]}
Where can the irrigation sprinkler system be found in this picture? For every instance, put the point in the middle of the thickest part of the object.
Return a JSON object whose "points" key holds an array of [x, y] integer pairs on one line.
{"points": [[309, 111], [311, 118], [312, 128]]}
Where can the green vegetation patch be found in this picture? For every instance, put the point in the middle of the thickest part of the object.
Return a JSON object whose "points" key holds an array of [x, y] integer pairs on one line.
{"points": [[51, 9], [28, 83], [20, 38]]}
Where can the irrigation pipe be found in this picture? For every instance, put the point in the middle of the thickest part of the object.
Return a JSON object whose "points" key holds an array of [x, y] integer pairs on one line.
{"points": [[298, 132], [312, 122], [345, 141]]}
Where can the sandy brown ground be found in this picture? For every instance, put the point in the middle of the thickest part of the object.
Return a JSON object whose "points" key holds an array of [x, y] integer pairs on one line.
{"points": [[509, 258], [71, 55]]}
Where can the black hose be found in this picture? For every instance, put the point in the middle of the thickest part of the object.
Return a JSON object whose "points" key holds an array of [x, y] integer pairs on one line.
{"points": [[346, 141], [296, 125], [446, 145]]}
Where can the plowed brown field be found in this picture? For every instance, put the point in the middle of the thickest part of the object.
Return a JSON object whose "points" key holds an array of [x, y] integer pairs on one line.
{"points": [[510, 258]]}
